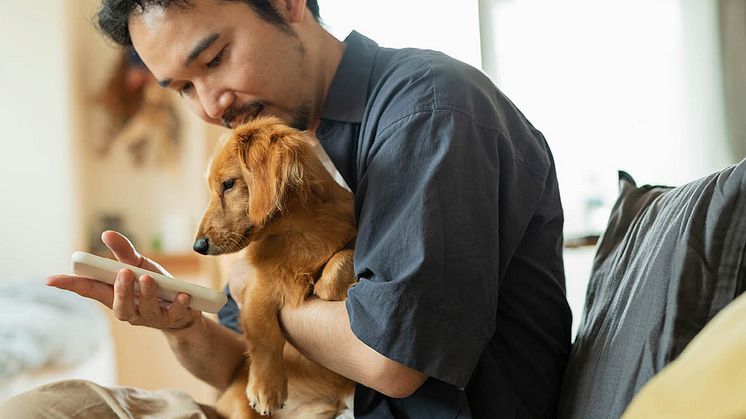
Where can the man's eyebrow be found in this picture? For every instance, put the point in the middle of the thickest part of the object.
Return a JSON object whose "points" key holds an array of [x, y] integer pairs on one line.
{"points": [[196, 51], [200, 47]]}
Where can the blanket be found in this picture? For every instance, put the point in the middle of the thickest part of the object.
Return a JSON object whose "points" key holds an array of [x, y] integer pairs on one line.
{"points": [[42, 326]]}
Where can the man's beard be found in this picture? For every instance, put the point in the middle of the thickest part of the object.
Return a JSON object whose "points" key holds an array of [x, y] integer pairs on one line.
{"points": [[237, 115], [301, 116], [298, 119]]}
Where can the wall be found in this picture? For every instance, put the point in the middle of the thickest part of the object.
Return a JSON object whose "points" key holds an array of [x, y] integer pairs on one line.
{"points": [[37, 192], [152, 197]]}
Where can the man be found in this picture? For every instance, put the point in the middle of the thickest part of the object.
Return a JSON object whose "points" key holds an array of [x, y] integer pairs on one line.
{"points": [[460, 308]]}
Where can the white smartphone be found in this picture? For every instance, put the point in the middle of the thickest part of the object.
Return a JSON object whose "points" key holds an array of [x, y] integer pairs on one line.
{"points": [[105, 270]]}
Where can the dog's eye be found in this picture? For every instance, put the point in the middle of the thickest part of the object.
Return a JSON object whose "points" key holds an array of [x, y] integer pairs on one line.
{"points": [[227, 184]]}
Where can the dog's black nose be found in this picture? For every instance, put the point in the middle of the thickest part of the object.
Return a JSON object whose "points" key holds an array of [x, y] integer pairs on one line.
{"points": [[201, 246]]}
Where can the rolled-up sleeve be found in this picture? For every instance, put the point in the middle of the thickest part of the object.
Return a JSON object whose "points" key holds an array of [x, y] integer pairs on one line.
{"points": [[426, 256], [228, 314]]}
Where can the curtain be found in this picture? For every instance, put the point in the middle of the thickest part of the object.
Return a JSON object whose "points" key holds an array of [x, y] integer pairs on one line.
{"points": [[733, 55]]}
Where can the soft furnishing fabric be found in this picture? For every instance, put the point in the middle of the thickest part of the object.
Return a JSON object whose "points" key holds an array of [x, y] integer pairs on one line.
{"points": [[668, 262], [42, 326]]}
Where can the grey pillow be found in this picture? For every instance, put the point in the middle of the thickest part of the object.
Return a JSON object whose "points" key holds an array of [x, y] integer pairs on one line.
{"points": [[669, 260]]}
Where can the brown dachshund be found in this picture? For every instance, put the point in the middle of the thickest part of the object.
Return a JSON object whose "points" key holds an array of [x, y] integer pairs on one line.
{"points": [[271, 195]]}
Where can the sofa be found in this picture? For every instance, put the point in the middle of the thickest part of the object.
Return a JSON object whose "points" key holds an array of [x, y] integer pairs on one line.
{"points": [[670, 259]]}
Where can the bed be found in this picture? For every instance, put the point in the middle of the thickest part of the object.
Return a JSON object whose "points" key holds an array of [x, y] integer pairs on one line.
{"points": [[47, 335]]}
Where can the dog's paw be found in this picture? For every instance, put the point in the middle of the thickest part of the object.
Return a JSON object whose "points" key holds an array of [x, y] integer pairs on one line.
{"points": [[329, 291], [267, 394]]}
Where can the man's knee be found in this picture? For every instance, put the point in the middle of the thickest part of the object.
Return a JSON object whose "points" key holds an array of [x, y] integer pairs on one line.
{"points": [[20, 406], [63, 399]]}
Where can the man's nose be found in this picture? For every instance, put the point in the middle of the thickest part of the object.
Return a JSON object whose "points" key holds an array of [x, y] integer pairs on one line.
{"points": [[217, 105]]}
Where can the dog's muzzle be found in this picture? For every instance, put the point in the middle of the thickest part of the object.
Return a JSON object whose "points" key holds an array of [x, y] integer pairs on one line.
{"points": [[201, 246]]}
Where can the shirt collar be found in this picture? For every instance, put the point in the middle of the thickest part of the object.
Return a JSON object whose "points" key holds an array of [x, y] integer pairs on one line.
{"points": [[348, 92]]}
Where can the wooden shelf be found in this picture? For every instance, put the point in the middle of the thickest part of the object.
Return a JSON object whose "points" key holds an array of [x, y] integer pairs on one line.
{"points": [[187, 263], [179, 263], [581, 241]]}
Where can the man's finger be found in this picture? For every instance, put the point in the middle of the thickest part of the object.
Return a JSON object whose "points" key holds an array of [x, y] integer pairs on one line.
{"points": [[179, 313], [178, 309], [148, 306], [85, 287], [124, 296]]}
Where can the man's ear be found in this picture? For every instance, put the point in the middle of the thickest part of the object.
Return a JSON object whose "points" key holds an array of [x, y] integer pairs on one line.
{"points": [[272, 169], [292, 10]]}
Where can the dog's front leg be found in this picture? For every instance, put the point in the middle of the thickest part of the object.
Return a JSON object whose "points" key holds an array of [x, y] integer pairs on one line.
{"points": [[267, 385], [337, 277]]}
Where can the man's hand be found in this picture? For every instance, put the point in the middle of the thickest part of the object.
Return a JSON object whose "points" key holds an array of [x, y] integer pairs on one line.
{"points": [[133, 300]]}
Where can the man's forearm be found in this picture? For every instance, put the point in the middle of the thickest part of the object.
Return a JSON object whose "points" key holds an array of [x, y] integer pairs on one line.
{"points": [[209, 351], [321, 331]]}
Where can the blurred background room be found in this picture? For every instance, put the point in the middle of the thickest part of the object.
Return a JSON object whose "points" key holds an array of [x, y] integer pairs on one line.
{"points": [[653, 87]]}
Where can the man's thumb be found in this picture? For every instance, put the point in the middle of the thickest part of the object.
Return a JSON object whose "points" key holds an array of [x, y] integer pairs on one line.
{"points": [[122, 248], [125, 252]]}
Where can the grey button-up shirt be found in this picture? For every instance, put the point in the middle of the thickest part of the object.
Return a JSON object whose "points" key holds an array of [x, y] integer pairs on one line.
{"points": [[458, 254]]}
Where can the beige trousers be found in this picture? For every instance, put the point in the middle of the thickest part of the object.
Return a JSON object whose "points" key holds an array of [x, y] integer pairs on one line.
{"points": [[84, 399]]}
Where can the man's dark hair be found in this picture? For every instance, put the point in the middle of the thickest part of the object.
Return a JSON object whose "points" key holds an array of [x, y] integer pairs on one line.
{"points": [[113, 16]]}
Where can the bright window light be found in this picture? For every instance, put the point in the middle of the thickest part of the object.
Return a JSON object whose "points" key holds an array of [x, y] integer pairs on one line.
{"points": [[451, 27]]}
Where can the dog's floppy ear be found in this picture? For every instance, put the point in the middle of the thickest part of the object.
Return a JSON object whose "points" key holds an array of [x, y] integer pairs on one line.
{"points": [[272, 160]]}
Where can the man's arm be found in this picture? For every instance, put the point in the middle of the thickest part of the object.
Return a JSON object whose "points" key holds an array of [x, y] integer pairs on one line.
{"points": [[321, 331], [209, 351]]}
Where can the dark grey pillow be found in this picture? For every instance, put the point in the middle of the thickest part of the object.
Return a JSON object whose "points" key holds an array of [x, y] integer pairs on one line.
{"points": [[669, 260]]}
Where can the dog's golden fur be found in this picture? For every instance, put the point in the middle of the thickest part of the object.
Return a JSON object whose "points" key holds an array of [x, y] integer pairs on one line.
{"points": [[271, 195]]}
